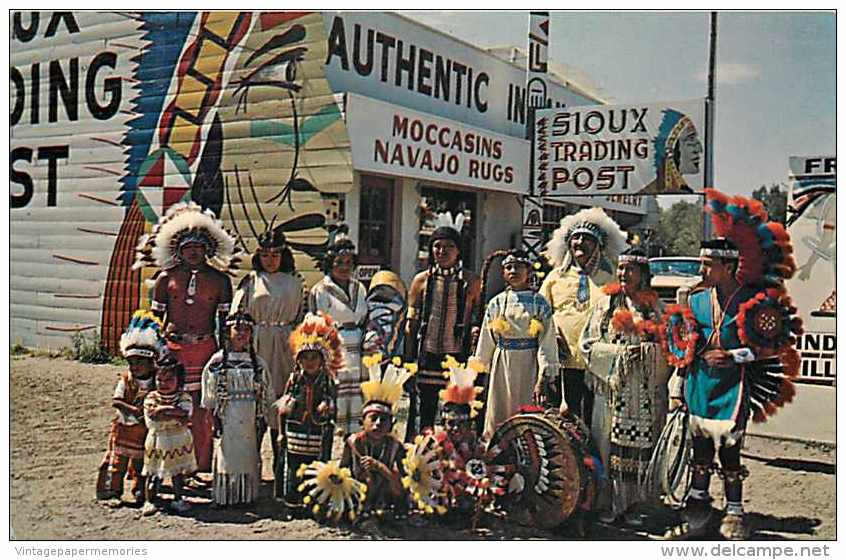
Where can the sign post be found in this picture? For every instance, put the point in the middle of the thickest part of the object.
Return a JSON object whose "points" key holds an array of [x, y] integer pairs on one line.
{"points": [[536, 98]]}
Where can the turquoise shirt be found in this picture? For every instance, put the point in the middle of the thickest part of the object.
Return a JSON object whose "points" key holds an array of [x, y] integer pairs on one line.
{"points": [[716, 393]]}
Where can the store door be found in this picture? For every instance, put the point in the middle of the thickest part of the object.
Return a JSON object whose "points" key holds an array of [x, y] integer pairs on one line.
{"points": [[375, 226], [435, 200]]}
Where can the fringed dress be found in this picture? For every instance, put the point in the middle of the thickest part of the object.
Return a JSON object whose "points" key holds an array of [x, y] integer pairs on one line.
{"points": [[349, 311], [239, 396], [517, 345], [630, 392], [169, 448]]}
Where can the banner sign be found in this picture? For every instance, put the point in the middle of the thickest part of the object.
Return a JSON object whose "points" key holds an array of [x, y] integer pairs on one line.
{"points": [[620, 149], [812, 224], [391, 139], [538, 49], [386, 56]]}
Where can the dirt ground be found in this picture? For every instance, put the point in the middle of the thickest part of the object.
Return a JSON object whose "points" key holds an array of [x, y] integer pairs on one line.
{"points": [[60, 418]]}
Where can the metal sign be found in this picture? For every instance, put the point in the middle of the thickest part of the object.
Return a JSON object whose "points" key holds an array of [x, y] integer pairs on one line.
{"points": [[620, 149]]}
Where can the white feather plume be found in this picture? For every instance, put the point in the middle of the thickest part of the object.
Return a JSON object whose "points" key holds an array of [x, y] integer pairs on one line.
{"points": [[159, 248], [145, 338], [445, 219], [558, 248]]}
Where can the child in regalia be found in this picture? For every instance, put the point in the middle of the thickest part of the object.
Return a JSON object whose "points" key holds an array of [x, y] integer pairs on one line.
{"points": [[306, 412], [169, 448], [516, 343], [374, 454], [236, 387], [141, 345], [447, 469]]}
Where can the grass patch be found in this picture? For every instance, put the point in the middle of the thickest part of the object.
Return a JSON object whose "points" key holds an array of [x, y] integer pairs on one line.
{"points": [[19, 349], [89, 349]]}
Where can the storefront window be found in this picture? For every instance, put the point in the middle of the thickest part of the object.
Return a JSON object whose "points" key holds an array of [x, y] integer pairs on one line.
{"points": [[433, 201], [375, 221]]}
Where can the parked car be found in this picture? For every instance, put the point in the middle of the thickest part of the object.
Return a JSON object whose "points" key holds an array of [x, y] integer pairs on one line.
{"points": [[671, 273]]}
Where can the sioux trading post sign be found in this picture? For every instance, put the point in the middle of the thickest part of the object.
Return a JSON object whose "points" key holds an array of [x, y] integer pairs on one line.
{"points": [[812, 224], [620, 149]]}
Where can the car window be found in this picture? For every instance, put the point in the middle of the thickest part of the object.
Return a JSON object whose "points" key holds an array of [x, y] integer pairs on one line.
{"points": [[674, 268]]}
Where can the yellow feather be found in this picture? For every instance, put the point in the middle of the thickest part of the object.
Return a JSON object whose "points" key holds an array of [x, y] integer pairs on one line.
{"points": [[499, 325], [535, 328]]}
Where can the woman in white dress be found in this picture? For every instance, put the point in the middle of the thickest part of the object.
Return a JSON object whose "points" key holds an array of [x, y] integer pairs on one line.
{"points": [[516, 344], [343, 298], [628, 374], [273, 295]]}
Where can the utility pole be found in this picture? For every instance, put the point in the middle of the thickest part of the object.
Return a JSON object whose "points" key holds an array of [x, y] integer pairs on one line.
{"points": [[710, 108]]}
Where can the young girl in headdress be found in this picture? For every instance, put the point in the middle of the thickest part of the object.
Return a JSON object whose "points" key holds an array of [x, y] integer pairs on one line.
{"points": [[169, 448], [236, 388], [306, 412], [141, 344], [516, 344]]}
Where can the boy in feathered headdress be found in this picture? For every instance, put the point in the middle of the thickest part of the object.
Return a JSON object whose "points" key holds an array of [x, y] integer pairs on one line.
{"points": [[374, 454], [307, 409], [735, 349], [442, 303], [516, 344], [194, 254], [583, 252], [141, 345]]}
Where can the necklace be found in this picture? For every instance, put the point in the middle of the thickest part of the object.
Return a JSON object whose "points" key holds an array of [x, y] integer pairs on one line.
{"points": [[718, 313], [192, 288]]}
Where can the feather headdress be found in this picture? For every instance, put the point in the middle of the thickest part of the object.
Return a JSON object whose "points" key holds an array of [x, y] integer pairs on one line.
{"points": [[594, 221], [460, 389], [331, 491], [445, 219], [766, 253], [425, 478], [143, 336], [384, 389], [184, 223], [317, 332]]}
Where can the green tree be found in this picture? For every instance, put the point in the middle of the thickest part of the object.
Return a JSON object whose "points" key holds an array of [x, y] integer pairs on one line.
{"points": [[774, 199], [679, 229]]}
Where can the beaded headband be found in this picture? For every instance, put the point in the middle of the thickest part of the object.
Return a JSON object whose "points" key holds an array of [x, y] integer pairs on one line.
{"points": [[720, 253], [638, 259]]}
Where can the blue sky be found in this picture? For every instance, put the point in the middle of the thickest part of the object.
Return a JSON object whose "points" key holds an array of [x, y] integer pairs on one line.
{"points": [[776, 73]]}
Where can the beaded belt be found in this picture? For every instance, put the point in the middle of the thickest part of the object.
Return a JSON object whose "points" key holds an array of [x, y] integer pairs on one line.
{"points": [[189, 338], [517, 343], [272, 324]]}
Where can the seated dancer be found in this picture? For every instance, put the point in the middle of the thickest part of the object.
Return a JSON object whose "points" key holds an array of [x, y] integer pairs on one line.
{"points": [[374, 454], [140, 345], [447, 469], [169, 448], [737, 354], [194, 254], [629, 375], [306, 411], [583, 252], [236, 388], [516, 344], [443, 302]]}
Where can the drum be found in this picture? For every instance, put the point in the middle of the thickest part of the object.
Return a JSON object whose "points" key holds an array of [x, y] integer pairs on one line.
{"points": [[552, 461]]}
